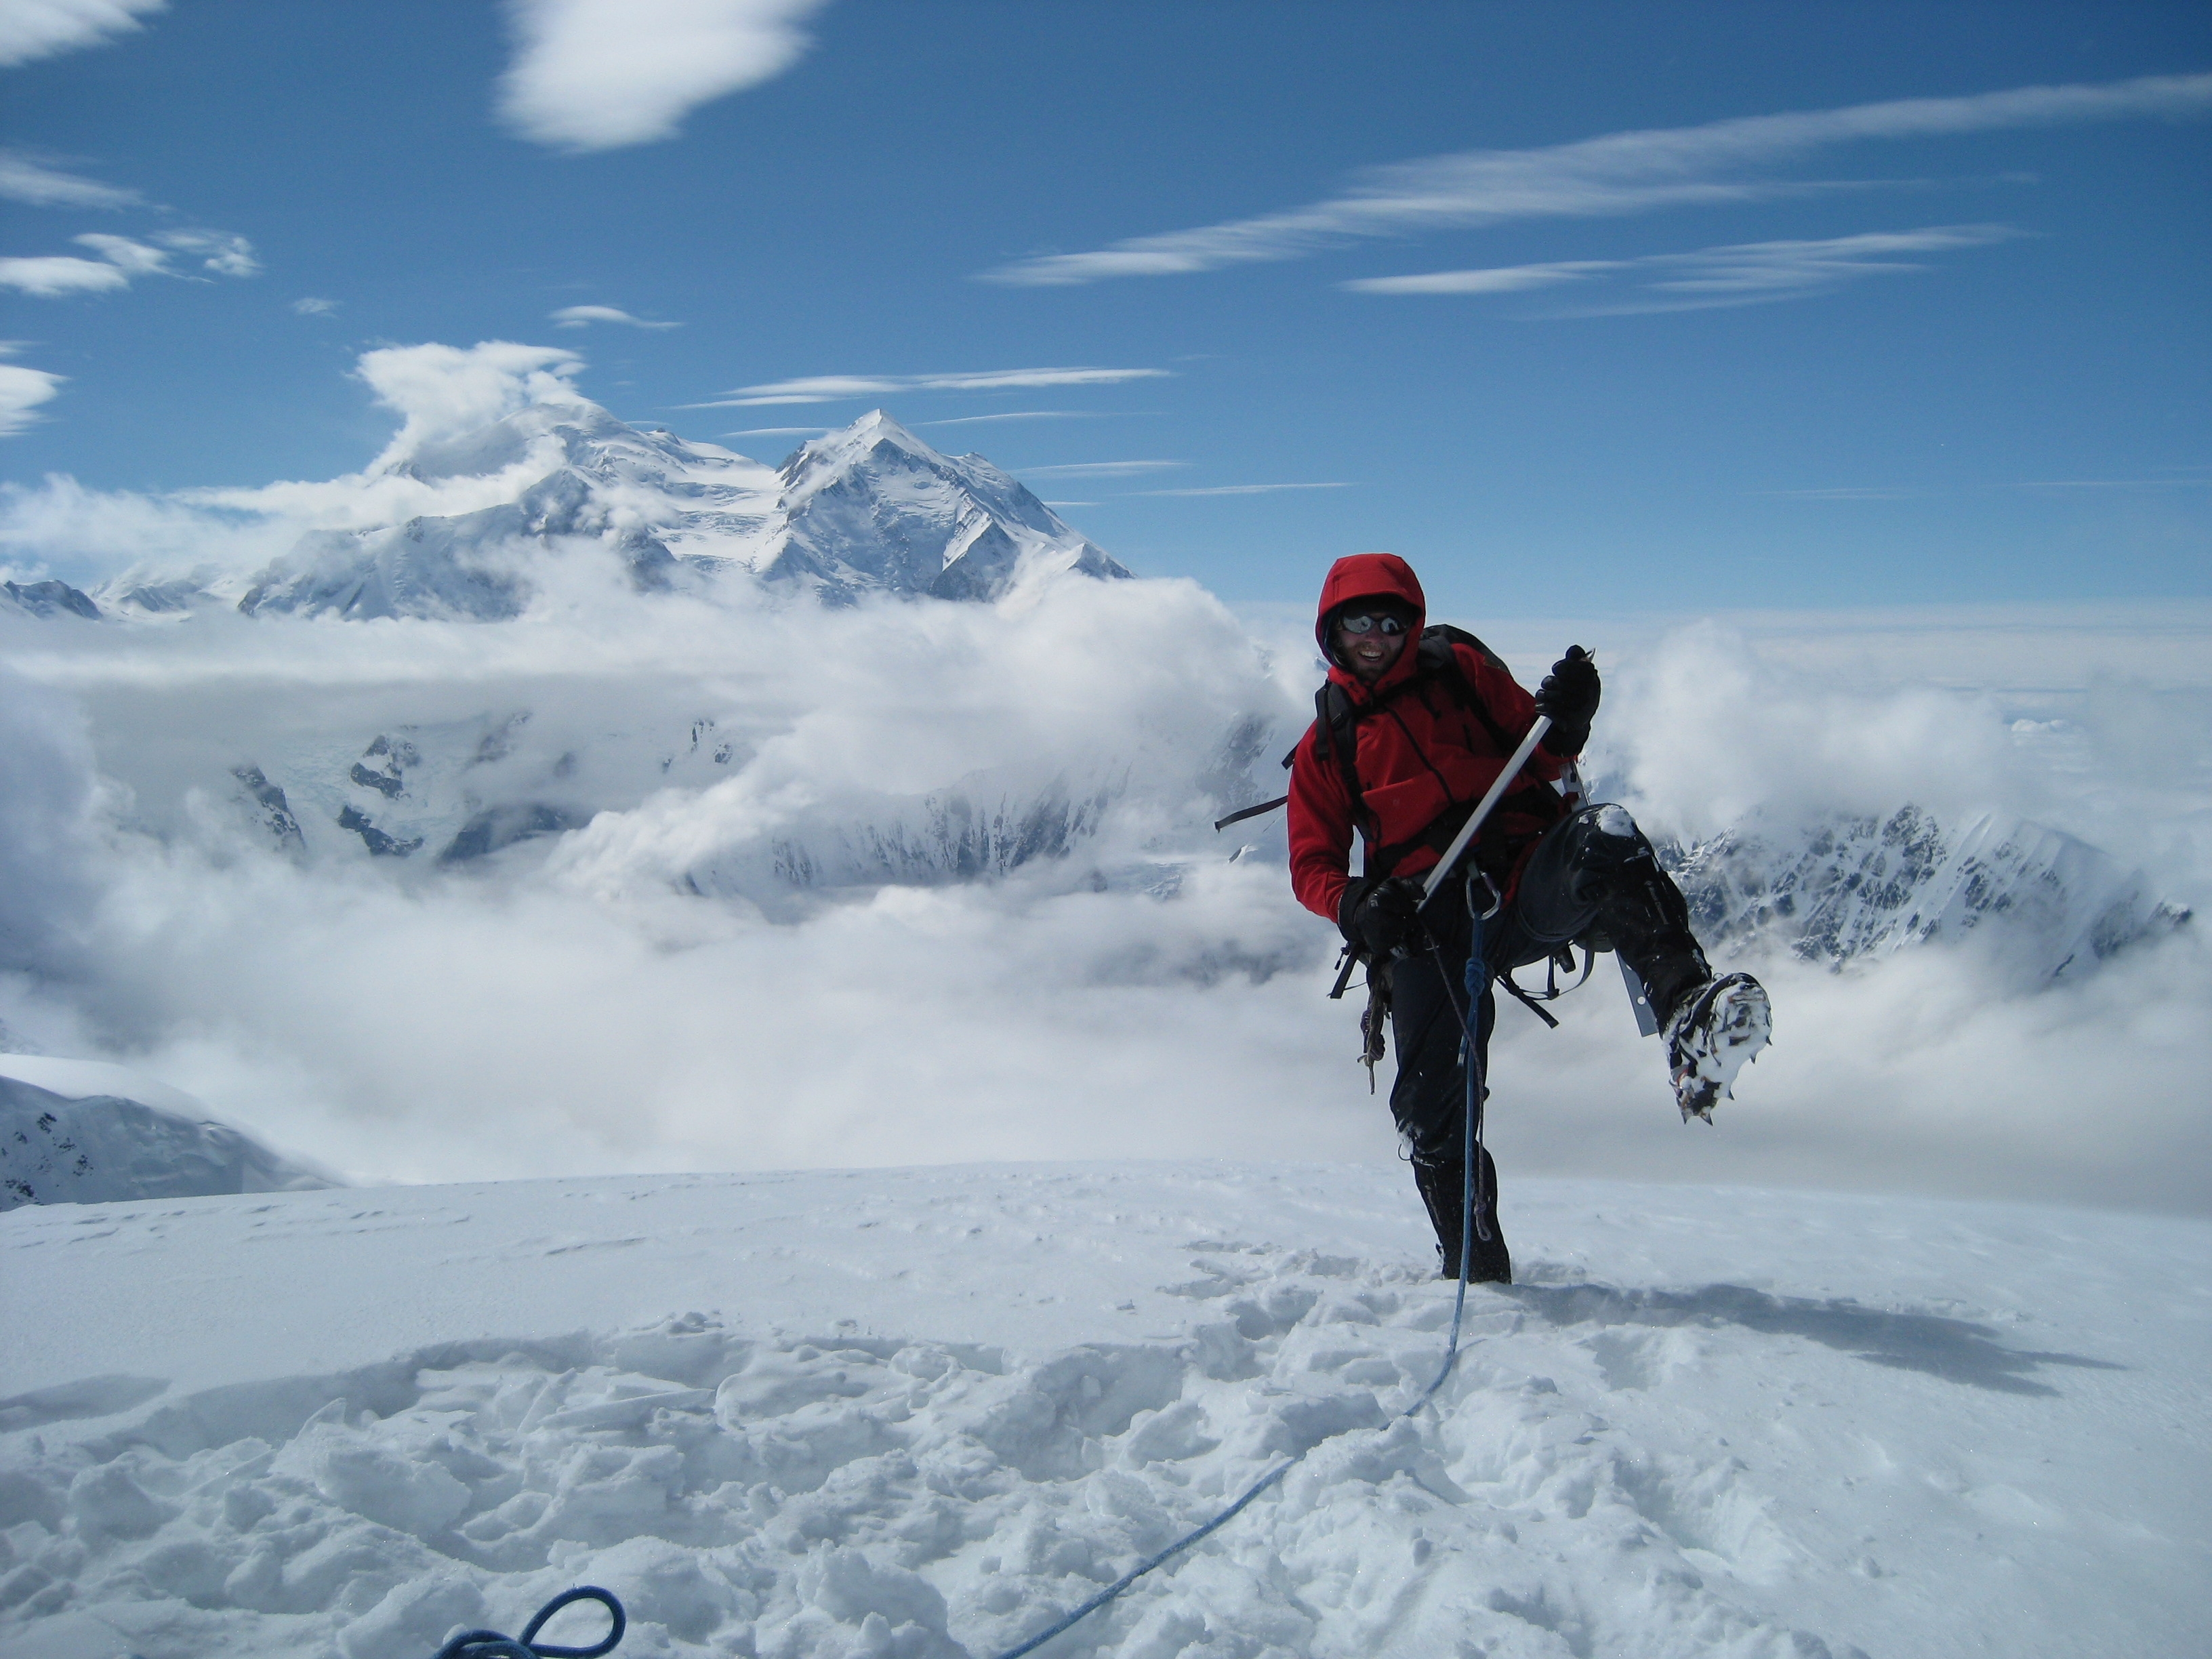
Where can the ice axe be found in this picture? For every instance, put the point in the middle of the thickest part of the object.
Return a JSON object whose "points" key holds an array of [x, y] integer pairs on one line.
{"points": [[1466, 831]]}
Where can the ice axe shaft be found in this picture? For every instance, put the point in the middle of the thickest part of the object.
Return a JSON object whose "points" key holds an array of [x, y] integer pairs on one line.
{"points": [[1460, 843]]}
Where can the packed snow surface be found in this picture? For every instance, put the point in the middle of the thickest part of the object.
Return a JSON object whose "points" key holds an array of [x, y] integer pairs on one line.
{"points": [[921, 1412]]}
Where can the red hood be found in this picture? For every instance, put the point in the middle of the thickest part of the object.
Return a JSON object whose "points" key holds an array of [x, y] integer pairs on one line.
{"points": [[1368, 576]]}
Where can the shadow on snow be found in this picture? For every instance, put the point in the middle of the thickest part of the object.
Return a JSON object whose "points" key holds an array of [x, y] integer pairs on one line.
{"points": [[1955, 1350]]}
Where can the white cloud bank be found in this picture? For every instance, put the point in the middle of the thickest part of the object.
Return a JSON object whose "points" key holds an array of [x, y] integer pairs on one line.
{"points": [[592, 75], [574, 1006], [1617, 173], [1747, 273], [31, 29]]}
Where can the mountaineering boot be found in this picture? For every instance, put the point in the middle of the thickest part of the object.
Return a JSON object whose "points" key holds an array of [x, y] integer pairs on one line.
{"points": [[1440, 1184], [1718, 1028]]}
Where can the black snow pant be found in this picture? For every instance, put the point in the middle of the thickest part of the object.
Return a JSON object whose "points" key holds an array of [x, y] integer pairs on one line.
{"points": [[1593, 879]]}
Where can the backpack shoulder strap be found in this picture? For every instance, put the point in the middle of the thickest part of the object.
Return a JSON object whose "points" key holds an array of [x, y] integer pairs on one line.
{"points": [[1336, 737]]}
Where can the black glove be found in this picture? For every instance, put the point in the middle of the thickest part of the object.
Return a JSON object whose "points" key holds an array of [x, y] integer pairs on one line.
{"points": [[1381, 918], [1569, 695]]}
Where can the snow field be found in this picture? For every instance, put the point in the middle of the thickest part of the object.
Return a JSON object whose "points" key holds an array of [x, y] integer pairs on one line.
{"points": [[938, 1407]]}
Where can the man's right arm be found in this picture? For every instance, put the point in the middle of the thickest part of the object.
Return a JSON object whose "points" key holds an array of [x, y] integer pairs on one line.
{"points": [[1319, 831]]}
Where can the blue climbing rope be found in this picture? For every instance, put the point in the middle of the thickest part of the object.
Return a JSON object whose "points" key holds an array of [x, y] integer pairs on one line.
{"points": [[1477, 978], [490, 1644]]}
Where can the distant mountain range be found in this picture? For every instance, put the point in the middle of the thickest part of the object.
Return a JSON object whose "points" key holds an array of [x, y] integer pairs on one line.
{"points": [[1852, 887], [868, 509], [1835, 889]]}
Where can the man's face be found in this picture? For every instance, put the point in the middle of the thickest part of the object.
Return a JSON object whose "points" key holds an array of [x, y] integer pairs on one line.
{"points": [[1369, 638]]}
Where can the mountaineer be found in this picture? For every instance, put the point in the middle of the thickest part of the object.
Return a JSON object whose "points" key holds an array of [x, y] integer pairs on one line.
{"points": [[1412, 728]]}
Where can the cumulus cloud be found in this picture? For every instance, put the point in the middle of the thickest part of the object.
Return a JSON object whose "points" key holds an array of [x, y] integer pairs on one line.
{"points": [[831, 388], [22, 390], [591, 75], [1617, 174], [31, 29], [584, 316], [26, 179], [437, 391], [1747, 273]]}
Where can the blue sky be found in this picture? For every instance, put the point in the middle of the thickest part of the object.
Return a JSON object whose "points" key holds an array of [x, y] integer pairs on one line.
{"points": [[1359, 277]]}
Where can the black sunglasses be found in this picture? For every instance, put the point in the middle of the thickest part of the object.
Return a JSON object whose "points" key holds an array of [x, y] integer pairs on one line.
{"points": [[1358, 624]]}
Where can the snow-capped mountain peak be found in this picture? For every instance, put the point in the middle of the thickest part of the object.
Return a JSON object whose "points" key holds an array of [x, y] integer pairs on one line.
{"points": [[874, 507], [868, 508]]}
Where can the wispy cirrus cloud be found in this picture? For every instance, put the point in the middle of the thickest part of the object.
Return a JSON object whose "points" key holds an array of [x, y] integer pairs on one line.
{"points": [[34, 183], [220, 252], [1845, 493], [1018, 415], [22, 390], [53, 276], [1098, 469], [1616, 174], [49, 277], [2177, 478], [1245, 490], [591, 75], [309, 305], [585, 316], [1740, 274], [833, 388], [31, 29]]}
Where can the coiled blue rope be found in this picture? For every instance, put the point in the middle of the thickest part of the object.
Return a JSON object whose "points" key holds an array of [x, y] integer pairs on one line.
{"points": [[1477, 977], [490, 1644]]}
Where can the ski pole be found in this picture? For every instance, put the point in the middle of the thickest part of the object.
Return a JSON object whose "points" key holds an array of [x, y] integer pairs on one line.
{"points": [[1436, 878]]}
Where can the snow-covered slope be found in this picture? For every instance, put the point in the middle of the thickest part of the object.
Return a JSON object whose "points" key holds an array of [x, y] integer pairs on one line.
{"points": [[1850, 887], [869, 509], [921, 1412], [84, 1132]]}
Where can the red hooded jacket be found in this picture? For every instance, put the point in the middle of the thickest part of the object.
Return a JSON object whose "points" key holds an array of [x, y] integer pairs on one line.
{"points": [[1421, 753]]}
